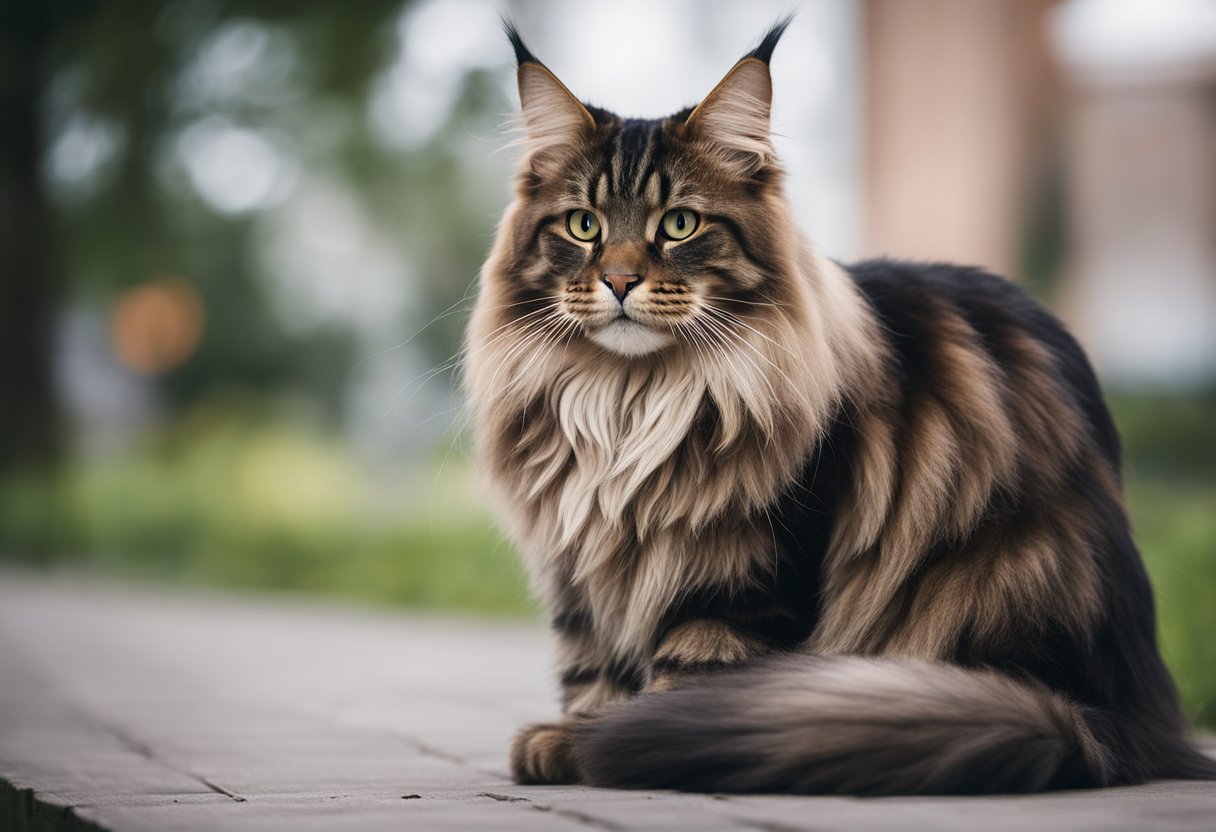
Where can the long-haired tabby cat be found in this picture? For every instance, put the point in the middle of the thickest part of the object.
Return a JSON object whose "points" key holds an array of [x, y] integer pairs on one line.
{"points": [[800, 526]]}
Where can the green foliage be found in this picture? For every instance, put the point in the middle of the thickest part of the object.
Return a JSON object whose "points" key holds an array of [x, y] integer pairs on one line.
{"points": [[1170, 443], [266, 507], [1176, 530], [1169, 436]]}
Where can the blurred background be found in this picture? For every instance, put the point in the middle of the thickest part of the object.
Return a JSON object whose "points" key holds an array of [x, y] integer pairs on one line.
{"points": [[239, 241]]}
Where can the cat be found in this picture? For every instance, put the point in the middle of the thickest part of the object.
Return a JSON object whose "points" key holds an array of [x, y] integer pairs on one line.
{"points": [[799, 526]]}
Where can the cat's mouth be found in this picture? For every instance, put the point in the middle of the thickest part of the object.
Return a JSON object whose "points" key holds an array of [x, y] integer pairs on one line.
{"points": [[625, 336]]}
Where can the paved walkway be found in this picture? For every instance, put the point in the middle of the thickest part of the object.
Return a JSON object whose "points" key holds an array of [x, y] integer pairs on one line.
{"points": [[135, 710]]}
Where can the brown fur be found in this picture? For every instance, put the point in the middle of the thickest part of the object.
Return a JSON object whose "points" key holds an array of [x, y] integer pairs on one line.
{"points": [[697, 646], [544, 753]]}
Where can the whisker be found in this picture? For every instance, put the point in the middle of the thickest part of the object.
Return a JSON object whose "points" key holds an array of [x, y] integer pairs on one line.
{"points": [[726, 332], [536, 335], [739, 321], [451, 310], [770, 304], [421, 380], [753, 347]]}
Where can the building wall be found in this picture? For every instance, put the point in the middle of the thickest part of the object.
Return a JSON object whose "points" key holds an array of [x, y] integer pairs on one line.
{"points": [[958, 95]]}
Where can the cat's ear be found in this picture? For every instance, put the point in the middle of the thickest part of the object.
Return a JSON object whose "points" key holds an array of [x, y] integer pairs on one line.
{"points": [[734, 117], [552, 116]]}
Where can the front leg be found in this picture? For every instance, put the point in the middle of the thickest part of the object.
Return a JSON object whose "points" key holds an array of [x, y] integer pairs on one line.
{"points": [[542, 753], [591, 676], [698, 646]]}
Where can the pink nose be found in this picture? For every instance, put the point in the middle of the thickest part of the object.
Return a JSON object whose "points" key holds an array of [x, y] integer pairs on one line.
{"points": [[620, 284]]}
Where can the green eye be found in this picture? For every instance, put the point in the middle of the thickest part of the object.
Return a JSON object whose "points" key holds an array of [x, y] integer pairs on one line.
{"points": [[583, 225], [679, 223]]}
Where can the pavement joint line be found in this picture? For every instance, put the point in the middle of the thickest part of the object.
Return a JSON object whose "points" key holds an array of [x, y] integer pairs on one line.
{"points": [[137, 746], [570, 814], [577, 817], [418, 745], [435, 753]]}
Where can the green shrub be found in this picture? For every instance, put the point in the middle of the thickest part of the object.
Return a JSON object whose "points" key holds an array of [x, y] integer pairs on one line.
{"points": [[267, 507]]}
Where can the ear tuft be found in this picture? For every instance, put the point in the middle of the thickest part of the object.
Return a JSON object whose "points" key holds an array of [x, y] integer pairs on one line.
{"points": [[553, 118], [764, 52], [523, 55], [734, 118]]}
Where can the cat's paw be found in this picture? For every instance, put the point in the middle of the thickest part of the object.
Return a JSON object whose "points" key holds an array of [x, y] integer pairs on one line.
{"points": [[699, 646], [543, 754]]}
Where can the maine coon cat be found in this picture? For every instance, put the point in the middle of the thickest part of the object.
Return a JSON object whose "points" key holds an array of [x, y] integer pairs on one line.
{"points": [[799, 526]]}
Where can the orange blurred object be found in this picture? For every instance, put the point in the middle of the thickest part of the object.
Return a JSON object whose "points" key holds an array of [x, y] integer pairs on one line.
{"points": [[157, 326]]}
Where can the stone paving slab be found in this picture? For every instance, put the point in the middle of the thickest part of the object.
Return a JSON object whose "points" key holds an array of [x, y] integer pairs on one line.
{"points": [[139, 709]]}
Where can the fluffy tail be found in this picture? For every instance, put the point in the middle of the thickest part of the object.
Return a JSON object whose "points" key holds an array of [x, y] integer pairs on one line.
{"points": [[847, 725]]}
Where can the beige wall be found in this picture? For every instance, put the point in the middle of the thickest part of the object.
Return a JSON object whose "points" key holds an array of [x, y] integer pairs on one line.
{"points": [[957, 98]]}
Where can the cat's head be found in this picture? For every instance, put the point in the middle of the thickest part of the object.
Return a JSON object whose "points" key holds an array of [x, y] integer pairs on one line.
{"points": [[639, 235]]}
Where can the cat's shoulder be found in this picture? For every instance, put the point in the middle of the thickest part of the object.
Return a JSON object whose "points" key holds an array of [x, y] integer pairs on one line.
{"points": [[914, 301], [911, 296], [919, 286]]}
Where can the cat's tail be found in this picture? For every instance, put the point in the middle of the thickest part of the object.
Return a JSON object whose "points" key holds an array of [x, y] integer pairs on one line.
{"points": [[849, 725]]}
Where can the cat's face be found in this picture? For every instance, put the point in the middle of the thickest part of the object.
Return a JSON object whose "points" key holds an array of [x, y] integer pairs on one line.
{"points": [[642, 234]]}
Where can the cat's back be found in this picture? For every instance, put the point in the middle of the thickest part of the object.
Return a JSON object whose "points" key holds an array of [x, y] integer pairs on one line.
{"points": [[988, 457], [933, 312]]}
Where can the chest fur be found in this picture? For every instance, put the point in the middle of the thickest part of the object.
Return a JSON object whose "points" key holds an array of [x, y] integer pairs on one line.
{"points": [[625, 489]]}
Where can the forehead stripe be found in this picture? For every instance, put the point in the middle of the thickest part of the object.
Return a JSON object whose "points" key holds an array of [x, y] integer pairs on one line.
{"points": [[614, 163], [645, 166], [649, 186], [590, 195], [632, 142], [620, 161]]}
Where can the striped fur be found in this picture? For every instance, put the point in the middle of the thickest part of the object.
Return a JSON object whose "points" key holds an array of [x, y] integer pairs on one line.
{"points": [[799, 526]]}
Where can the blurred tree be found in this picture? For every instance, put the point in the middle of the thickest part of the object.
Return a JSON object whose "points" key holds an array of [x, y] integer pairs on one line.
{"points": [[118, 73]]}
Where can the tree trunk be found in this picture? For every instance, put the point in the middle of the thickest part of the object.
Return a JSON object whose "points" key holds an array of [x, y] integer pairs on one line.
{"points": [[30, 425]]}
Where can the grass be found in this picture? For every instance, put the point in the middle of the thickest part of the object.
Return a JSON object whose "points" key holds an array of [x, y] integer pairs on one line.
{"points": [[262, 505]]}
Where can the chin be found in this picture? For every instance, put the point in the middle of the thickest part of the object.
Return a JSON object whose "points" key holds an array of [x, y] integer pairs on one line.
{"points": [[626, 337]]}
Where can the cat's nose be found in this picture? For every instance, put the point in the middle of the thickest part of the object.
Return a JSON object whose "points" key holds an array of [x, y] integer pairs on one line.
{"points": [[620, 284]]}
